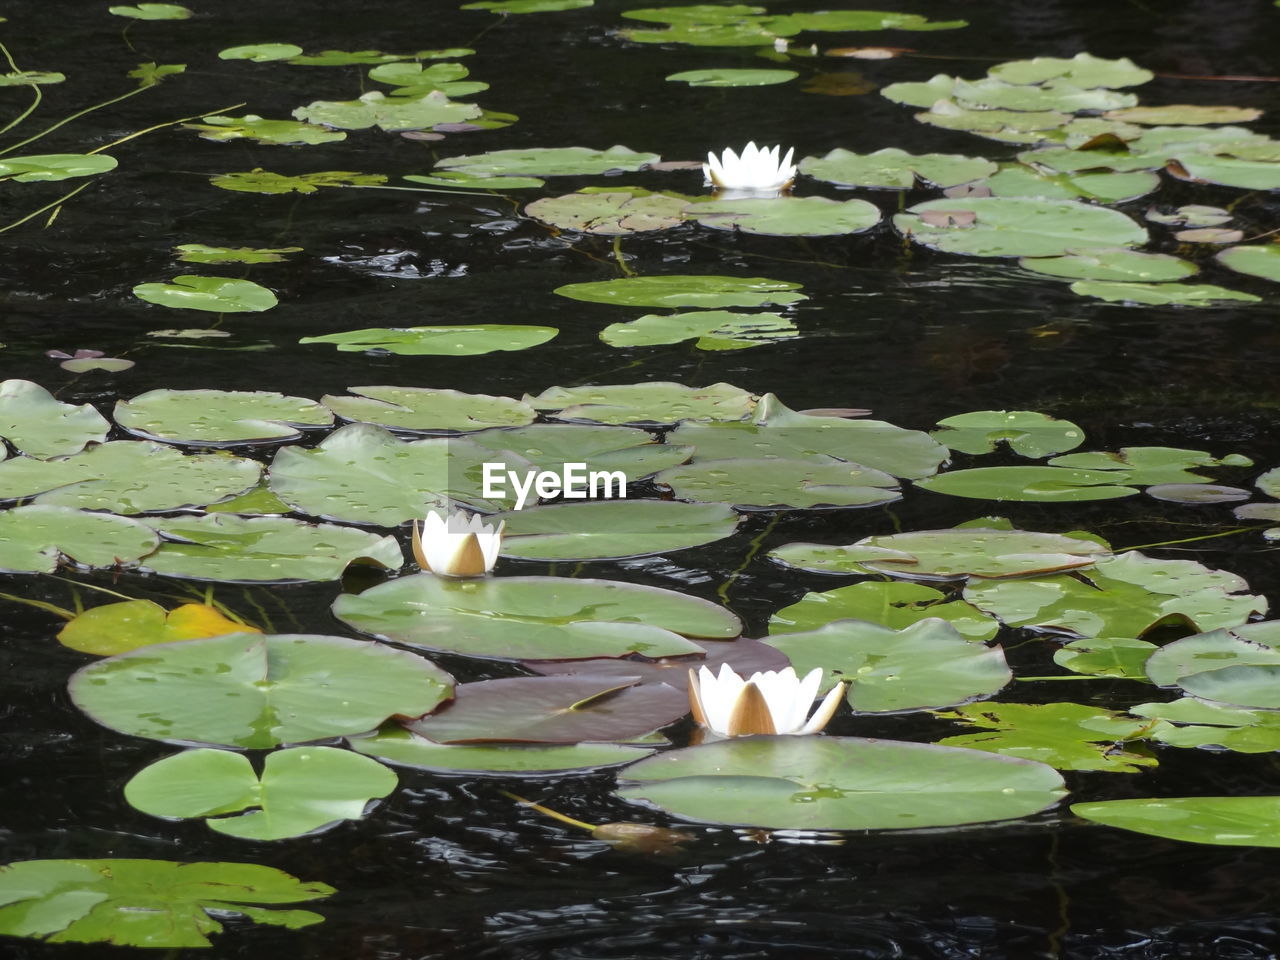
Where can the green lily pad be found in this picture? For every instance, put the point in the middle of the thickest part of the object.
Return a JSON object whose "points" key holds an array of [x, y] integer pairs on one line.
{"points": [[466, 181], [920, 93], [444, 341], [786, 216], [149, 74], [1269, 483], [759, 484], [927, 664], [254, 692], [709, 329], [840, 20], [1227, 821], [203, 253], [264, 181], [302, 790], [1116, 264], [145, 903], [1126, 595], [55, 166], [1026, 432], [346, 58], [891, 604], [1261, 260], [1030, 484], [425, 409], [553, 710], [223, 546], [1191, 215], [1186, 114], [1160, 294], [23, 78], [1106, 657], [116, 627], [33, 539], [728, 77], [896, 169], [363, 474], [219, 417], [550, 162], [744, 655], [257, 502], [535, 618], [1016, 226], [1083, 69], [375, 109], [260, 52], [1158, 465], [214, 294], [152, 11], [776, 431], [1017, 180], [660, 403], [1230, 171], [1068, 736], [415, 79], [551, 446], [256, 128], [992, 93], [40, 426], [527, 6], [676, 290], [622, 528], [840, 783], [403, 749], [1011, 126], [128, 476], [1197, 493], [609, 214], [1190, 722], [1236, 666], [948, 554]]}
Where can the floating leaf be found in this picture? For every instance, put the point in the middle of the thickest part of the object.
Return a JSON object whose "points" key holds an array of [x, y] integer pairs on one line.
{"points": [[550, 162], [259, 501], [1083, 69], [624, 528], [1192, 215], [926, 664], [709, 329], [991, 93], [553, 710], [450, 341], [219, 417], [660, 403], [895, 169], [116, 627], [375, 109], [1016, 180], [258, 549], [1269, 483], [302, 790], [404, 749], [40, 426], [675, 290], [1229, 171], [202, 253], [1209, 235], [759, 484], [33, 539], [127, 476], [1256, 261], [152, 11], [22, 78], [840, 783], [254, 692], [1068, 736], [414, 79], [145, 903], [149, 74], [1236, 666], [260, 52], [422, 408], [1159, 465], [466, 181], [1030, 484], [1026, 432], [215, 294], [787, 216], [1117, 264], [890, 604], [1189, 722], [1106, 657], [728, 77], [551, 446], [345, 58], [1228, 821], [55, 166], [1020, 227], [527, 6], [1012, 126], [744, 655], [263, 181], [609, 214], [1160, 294], [253, 127], [839, 20], [535, 618], [921, 94]]}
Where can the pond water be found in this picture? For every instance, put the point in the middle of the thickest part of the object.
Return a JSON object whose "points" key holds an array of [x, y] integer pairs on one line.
{"points": [[448, 864]]}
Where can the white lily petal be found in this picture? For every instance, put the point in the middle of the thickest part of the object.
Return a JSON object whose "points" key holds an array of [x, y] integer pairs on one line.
{"points": [[822, 716], [756, 169], [458, 545]]}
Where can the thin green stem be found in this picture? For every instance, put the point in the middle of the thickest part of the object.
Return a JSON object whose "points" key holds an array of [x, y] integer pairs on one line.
{"points": [[53, 608], [35, 89], [548, 812], [1169, 543], [75, 116], [620, 259], [1079, 676], [379, 186], [35, 213], [753, 548], [161, 126]]}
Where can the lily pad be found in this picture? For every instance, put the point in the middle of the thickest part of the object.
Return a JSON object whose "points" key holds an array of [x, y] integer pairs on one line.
{"points": [[219, 418], [1011, 126], [22, 78], [1017, 180], [40, 426], [659, 403], [948, 554], [920, 93], [1030, 484], [927, 664], [302, 790], [260, 52], [527, 6], [1191, 215], [1227, 821], [759, 484], [55, 166], [403, 749], [992, 93], [1026, 432], [456, 180], [535, 618], [252, 691], [709, 329], [128, 476], [1117, 264], [786, 216], [891, 604], [840, 783], [203, 253], [744, 655], [1229, 171], [414, 79], [1018, 227], [622, 528], [152, 11], [223, 546], [1068, 736], [1269, 483], [444, 341], [428, 410], [728, 77], [550, 162], [1160, 294], [1158, 465], [1236, 666], [256, 128], [1106, 657], [633, 452], [609, 214], [1256, 261], [375, 109], [33, 539], [1083, 69], [677, 290], [264, 181], [553, 710], [1190, 722], [116, 627], [145, 903], [896, 169], [214, 294]]}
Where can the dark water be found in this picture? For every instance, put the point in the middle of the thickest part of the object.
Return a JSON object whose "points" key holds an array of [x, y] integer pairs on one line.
{"points": [[446, 868]]}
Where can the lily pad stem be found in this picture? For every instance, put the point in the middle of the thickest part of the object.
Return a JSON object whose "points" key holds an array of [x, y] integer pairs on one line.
{"points": [[547, 811], [35, 213], [38, 95], [160, 126], [753, 548], [75, 116], [1204, 536], [621, 260]]}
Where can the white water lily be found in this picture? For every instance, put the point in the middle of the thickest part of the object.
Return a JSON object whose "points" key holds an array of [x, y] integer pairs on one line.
{"points": [[773, 702], [757, 170], [456, 546]]}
